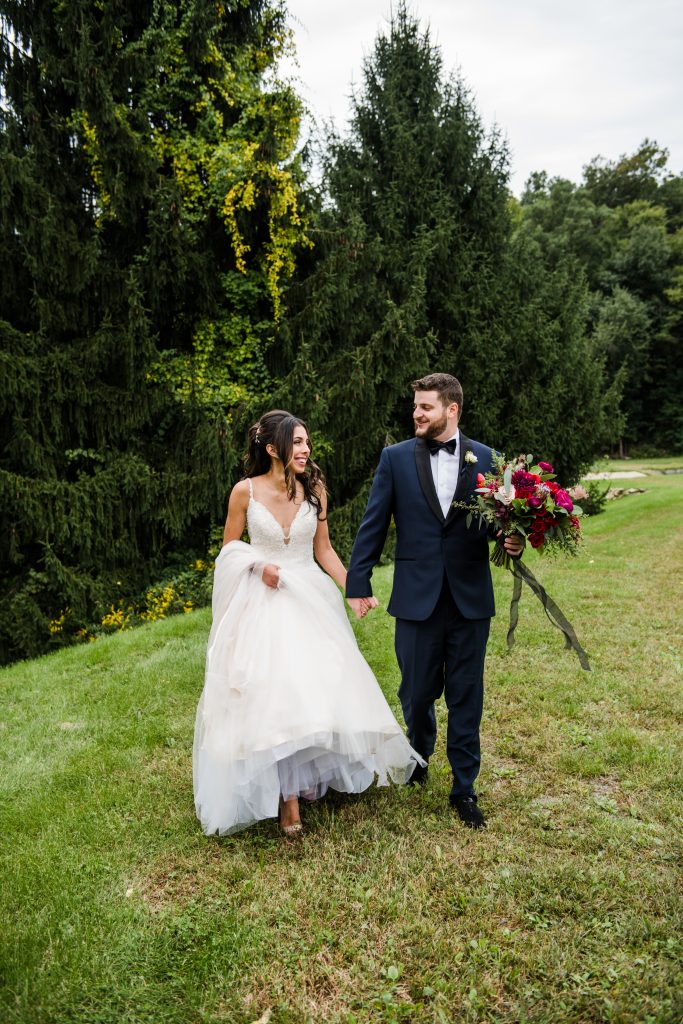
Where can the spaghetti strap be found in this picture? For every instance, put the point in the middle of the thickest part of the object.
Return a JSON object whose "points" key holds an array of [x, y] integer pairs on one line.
{"points": [[251, 489]]}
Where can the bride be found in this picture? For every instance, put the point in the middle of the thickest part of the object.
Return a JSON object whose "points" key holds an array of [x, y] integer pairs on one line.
{"points": [[290, 707]]}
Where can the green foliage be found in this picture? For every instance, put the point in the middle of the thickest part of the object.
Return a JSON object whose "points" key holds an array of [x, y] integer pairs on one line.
{"points": [[551, 399], [115, 907], [628, 179], [177, 592], [418, 266], [148, 218], [591, 495], [622, 225]]}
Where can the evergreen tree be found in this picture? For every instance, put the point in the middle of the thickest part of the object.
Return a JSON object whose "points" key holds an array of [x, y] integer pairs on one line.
{"points": [[553, 402], [409, 231], [623, 225], [413, 271], [148, 217]]}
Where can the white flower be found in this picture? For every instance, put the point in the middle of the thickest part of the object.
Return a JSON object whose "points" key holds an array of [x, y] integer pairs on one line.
{"points": [[471, 457], [504, 496]]}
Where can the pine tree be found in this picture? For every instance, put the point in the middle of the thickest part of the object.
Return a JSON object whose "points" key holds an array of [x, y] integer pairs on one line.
{"points": [[552, 400], [414, 270], [408, 232], [148, 217]]}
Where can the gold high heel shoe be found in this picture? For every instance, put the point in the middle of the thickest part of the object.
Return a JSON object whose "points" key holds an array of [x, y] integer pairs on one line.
{"points": [[291, 831]]}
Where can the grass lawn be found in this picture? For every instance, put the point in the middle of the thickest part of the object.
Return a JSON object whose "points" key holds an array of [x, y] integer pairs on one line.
{"points": [[115, 908], [661, 464]]}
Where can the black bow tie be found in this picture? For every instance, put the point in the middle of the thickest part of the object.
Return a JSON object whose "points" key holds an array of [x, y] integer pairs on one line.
{"points": [[441, 446]]}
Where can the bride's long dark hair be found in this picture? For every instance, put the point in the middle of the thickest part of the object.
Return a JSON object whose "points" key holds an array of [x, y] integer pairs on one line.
{"points": [[277, 428]]}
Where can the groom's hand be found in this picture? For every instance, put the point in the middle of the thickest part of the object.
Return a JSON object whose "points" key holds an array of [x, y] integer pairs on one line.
{"points": [[514, 544]]}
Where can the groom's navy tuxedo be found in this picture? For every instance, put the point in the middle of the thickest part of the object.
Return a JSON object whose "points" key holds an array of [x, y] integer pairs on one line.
{"points": [[442, 595]]}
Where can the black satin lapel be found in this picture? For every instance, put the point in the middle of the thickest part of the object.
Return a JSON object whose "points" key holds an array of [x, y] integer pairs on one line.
{"points": [[464, 476], [424, 475]]}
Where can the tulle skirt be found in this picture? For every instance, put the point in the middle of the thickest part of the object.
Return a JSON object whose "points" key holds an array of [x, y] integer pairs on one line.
{"points": [[289, 705]]}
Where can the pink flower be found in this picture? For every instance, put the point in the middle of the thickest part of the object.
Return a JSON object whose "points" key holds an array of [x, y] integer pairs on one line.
{"points": [[534, 502], [563, 500], [505, 497], [546, 467]]}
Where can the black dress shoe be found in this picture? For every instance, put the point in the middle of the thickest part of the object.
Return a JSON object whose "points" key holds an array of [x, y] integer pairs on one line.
{"points": [[468, 812], [419, 776]]}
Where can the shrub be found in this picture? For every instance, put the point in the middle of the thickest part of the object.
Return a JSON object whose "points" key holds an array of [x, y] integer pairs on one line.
{"points": [[591, 497]]}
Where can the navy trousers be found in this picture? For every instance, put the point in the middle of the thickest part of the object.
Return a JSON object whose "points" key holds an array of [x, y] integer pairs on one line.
{"points": [[444, 654]]}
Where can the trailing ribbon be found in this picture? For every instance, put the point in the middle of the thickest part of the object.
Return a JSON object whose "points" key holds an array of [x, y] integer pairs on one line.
{"points": [[555, 616]]}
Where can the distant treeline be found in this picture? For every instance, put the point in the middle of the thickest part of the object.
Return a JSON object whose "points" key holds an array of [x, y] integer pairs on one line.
{"points": [[168, 271]]}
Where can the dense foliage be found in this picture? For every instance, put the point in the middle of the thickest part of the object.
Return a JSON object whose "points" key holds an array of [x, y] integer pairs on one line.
{"points": [[419, 266], [148, 217], [158, 289], [624, 225]]}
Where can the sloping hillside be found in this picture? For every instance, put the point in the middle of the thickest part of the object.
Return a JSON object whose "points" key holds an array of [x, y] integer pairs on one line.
{"points": [[116, 908]]}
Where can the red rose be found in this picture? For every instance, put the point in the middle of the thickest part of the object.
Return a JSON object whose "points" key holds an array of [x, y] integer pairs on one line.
{"points": [[536, 540]]}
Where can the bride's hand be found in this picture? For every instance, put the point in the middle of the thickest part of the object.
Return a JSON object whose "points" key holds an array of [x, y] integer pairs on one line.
{"points": [[360, 606], [271, 576], [357, 606]]}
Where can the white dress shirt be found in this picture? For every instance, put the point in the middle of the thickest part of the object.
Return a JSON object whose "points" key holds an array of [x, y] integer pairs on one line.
{"points": [[445, 472]]}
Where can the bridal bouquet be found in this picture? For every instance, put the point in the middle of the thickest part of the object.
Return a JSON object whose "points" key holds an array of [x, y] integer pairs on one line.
{"points": [[518, 497], [522, 497]]}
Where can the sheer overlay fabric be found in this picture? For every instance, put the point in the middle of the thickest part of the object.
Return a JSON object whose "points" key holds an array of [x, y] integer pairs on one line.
{"points": [[289, 704]]}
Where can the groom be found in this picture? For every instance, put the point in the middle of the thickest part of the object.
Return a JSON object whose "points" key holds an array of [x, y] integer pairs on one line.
{"points": [[442, 596]]}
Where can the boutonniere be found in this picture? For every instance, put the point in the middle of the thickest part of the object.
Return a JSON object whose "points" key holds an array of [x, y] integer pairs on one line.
{"points": [[471, 458]]}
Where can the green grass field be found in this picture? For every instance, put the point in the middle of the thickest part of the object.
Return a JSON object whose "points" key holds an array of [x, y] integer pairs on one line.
{"points": [[115, 908]]}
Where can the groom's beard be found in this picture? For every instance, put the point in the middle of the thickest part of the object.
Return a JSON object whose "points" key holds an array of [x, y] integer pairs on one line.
{"points": [[434, 429]]}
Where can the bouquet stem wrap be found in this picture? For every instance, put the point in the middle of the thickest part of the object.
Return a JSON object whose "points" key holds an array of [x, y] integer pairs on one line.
{"points": [[520, 572]]}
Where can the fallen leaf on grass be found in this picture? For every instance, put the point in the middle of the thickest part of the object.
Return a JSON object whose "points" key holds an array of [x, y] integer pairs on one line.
{"points": [[265, 1017]]}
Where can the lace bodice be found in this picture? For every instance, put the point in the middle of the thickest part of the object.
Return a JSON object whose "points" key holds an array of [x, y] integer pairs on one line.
{"points": [[266, 534]]}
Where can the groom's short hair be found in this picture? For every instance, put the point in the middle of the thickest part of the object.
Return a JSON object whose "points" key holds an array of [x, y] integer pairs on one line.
{"points": [[449, 388]]}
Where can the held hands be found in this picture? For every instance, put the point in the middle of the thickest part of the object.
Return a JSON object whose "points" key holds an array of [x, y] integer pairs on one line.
{"points": [[360, 606]]}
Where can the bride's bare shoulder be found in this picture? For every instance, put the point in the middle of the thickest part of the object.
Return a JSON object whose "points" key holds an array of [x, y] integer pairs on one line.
{"points": [[239, 495]]}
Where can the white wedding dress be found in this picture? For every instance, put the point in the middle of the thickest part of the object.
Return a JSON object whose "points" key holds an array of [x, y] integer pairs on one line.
{"points": [[289, 703]]}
